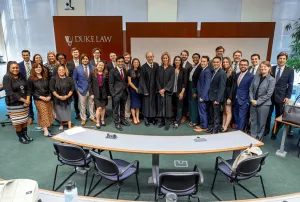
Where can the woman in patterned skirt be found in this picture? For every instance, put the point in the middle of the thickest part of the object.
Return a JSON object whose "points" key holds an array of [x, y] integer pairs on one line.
{"points": [[17, 100], [39, 88]]}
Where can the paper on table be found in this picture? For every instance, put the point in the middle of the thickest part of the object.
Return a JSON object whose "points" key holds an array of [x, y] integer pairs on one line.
{"points": [[74, 130]]}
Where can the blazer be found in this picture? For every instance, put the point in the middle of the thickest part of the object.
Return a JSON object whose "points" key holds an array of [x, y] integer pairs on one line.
{"points": [[94, 87], [92, 62], [265, 90], [203, 84], [242, 90], [71, 67], [116, 85], [257, 71], [80, 81], [109, 66], [284, 86], [195, 75], [23, 69], [181, 81], [217, 86], [188, 65]]}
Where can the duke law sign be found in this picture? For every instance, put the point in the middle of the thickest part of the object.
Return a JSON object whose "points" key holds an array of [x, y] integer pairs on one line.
{"points": [[87, 39]]}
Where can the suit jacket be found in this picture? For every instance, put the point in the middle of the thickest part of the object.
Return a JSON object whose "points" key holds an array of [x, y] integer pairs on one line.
{"points": [[242, 90], [257, 71], [265, 90], [188, 65], [92, 62], [195, 76], [116, 85], [71, 67], [284, 86], [109, 66], [181, 81], [94, 87], [80, 81], [217, 86], [203, 84], [23, 69]]}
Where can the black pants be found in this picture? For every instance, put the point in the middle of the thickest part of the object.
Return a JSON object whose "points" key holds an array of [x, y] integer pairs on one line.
{"points": [[30, 112], [185, 105], [119, 106], [75, 97], [278, 112], [214, 116], [177, 108]]}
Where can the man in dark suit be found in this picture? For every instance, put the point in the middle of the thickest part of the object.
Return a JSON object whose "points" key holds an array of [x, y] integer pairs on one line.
{"points": [[119, 91], [71, 65], [25, 69], [187, 65], [97, 54], [112, 64], [203, 86], [216, 95], [254, 68], [220, 50], [242, 99], [284, 77], [81, 75]]}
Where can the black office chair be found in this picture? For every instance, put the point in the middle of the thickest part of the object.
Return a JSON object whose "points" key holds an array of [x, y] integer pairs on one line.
{"points": [[71, 155], [179, 183], [115, 170], [246, 169]]}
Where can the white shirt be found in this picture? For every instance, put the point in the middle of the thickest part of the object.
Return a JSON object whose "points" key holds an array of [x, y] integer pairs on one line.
{"points": [[184, 64], [277, 69], [119, 69], [97, 60], [241, 76], [255, 69], [76, 62], [150, 64], [192, 72], [237, 68]]}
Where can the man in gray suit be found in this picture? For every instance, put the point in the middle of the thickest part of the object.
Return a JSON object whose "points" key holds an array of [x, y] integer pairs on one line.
{"points": [[261, 90], [254, 68], [97, 54], [220, 50]]}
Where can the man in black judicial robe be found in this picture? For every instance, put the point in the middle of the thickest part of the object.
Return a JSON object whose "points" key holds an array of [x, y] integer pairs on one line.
{"points": [[147, 87], [165, 85]]}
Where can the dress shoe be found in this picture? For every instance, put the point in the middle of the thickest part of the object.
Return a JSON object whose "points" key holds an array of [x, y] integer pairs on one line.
{"points": [[125, 123], [162, 124], [103, 123], [94, 120], [197, 127], [167, 127], [119, 127], [273, 137], [209, 130], [154, 122], [83, 122], [30, 121], [98, 125], [200, 129], [215, 132], [147, 123], [77, 116], [183, 119]]}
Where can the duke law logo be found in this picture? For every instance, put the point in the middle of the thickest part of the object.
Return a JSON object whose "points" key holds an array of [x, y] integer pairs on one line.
{"points": [[69, 40]]}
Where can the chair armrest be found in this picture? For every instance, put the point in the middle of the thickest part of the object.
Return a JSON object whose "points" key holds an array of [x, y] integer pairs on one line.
{"points": [[223, 161], [197, 169], [127, 167]]}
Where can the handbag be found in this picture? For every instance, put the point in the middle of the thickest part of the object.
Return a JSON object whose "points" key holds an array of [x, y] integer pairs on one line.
{"points": [[291, 113]]}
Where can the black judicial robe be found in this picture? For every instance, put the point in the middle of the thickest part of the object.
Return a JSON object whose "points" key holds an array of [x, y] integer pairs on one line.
{"points": [[165, 80], [147, 85]]}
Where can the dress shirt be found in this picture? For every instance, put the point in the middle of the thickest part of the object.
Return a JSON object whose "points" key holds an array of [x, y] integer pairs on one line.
{"points": [[237, 67], [215, 72], [255, 69], [184, 64], [119, 69], [97, 60], [192, 72], [76, 62], [150, 64], [241, 76], [282, 69]]}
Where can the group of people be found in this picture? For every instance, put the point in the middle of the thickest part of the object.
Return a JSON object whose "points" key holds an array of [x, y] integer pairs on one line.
{"points": [[213, 94]]}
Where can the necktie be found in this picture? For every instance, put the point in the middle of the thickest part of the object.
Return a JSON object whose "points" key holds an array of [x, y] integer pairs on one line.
{"points": [[253, 68], [28, 69], [235, 67], [213, 75], [86, 72], [240, 78], [151, 66], [278, 75], [121, 73]]}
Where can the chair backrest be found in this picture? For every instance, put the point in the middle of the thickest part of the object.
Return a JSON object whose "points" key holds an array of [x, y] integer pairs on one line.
{"points": [[70, 153], [103, 165], [252, 165], [179, 182]]}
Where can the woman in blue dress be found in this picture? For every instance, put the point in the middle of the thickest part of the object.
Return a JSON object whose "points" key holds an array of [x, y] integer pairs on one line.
{"points": [[133, 81]]}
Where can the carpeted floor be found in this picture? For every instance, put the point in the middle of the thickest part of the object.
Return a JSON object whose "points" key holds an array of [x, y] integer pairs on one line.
{"points": [[37, 161]]}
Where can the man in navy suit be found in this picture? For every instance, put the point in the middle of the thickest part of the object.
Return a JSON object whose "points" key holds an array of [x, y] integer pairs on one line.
{"points": [[203, 86], [284, 77], [81, 76], [241, 102], [25, 69]]}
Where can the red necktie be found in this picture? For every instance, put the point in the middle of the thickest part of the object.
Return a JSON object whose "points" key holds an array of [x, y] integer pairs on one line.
{"points": [[121, 73]]}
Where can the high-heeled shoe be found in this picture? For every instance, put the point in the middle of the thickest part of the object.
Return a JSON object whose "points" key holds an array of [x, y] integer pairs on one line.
{"points": [[103, 123]]}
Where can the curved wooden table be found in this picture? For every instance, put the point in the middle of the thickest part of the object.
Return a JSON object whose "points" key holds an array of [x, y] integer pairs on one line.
{"points": [[156, 145]]}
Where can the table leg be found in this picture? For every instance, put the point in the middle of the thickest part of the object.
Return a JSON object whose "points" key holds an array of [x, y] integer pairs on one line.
{"points": [[281, 151], [155, 169], [235, 154]]}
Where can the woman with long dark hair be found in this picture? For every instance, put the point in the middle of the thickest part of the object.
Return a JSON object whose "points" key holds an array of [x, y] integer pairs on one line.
{"points": [[39, 88], [99, 91], [180, 82], [37, 58], [133, 82], [17, 100]]}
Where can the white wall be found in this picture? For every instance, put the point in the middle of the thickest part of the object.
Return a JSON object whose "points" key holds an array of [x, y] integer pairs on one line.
{"points": [[79, 6], [162, 10]]}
